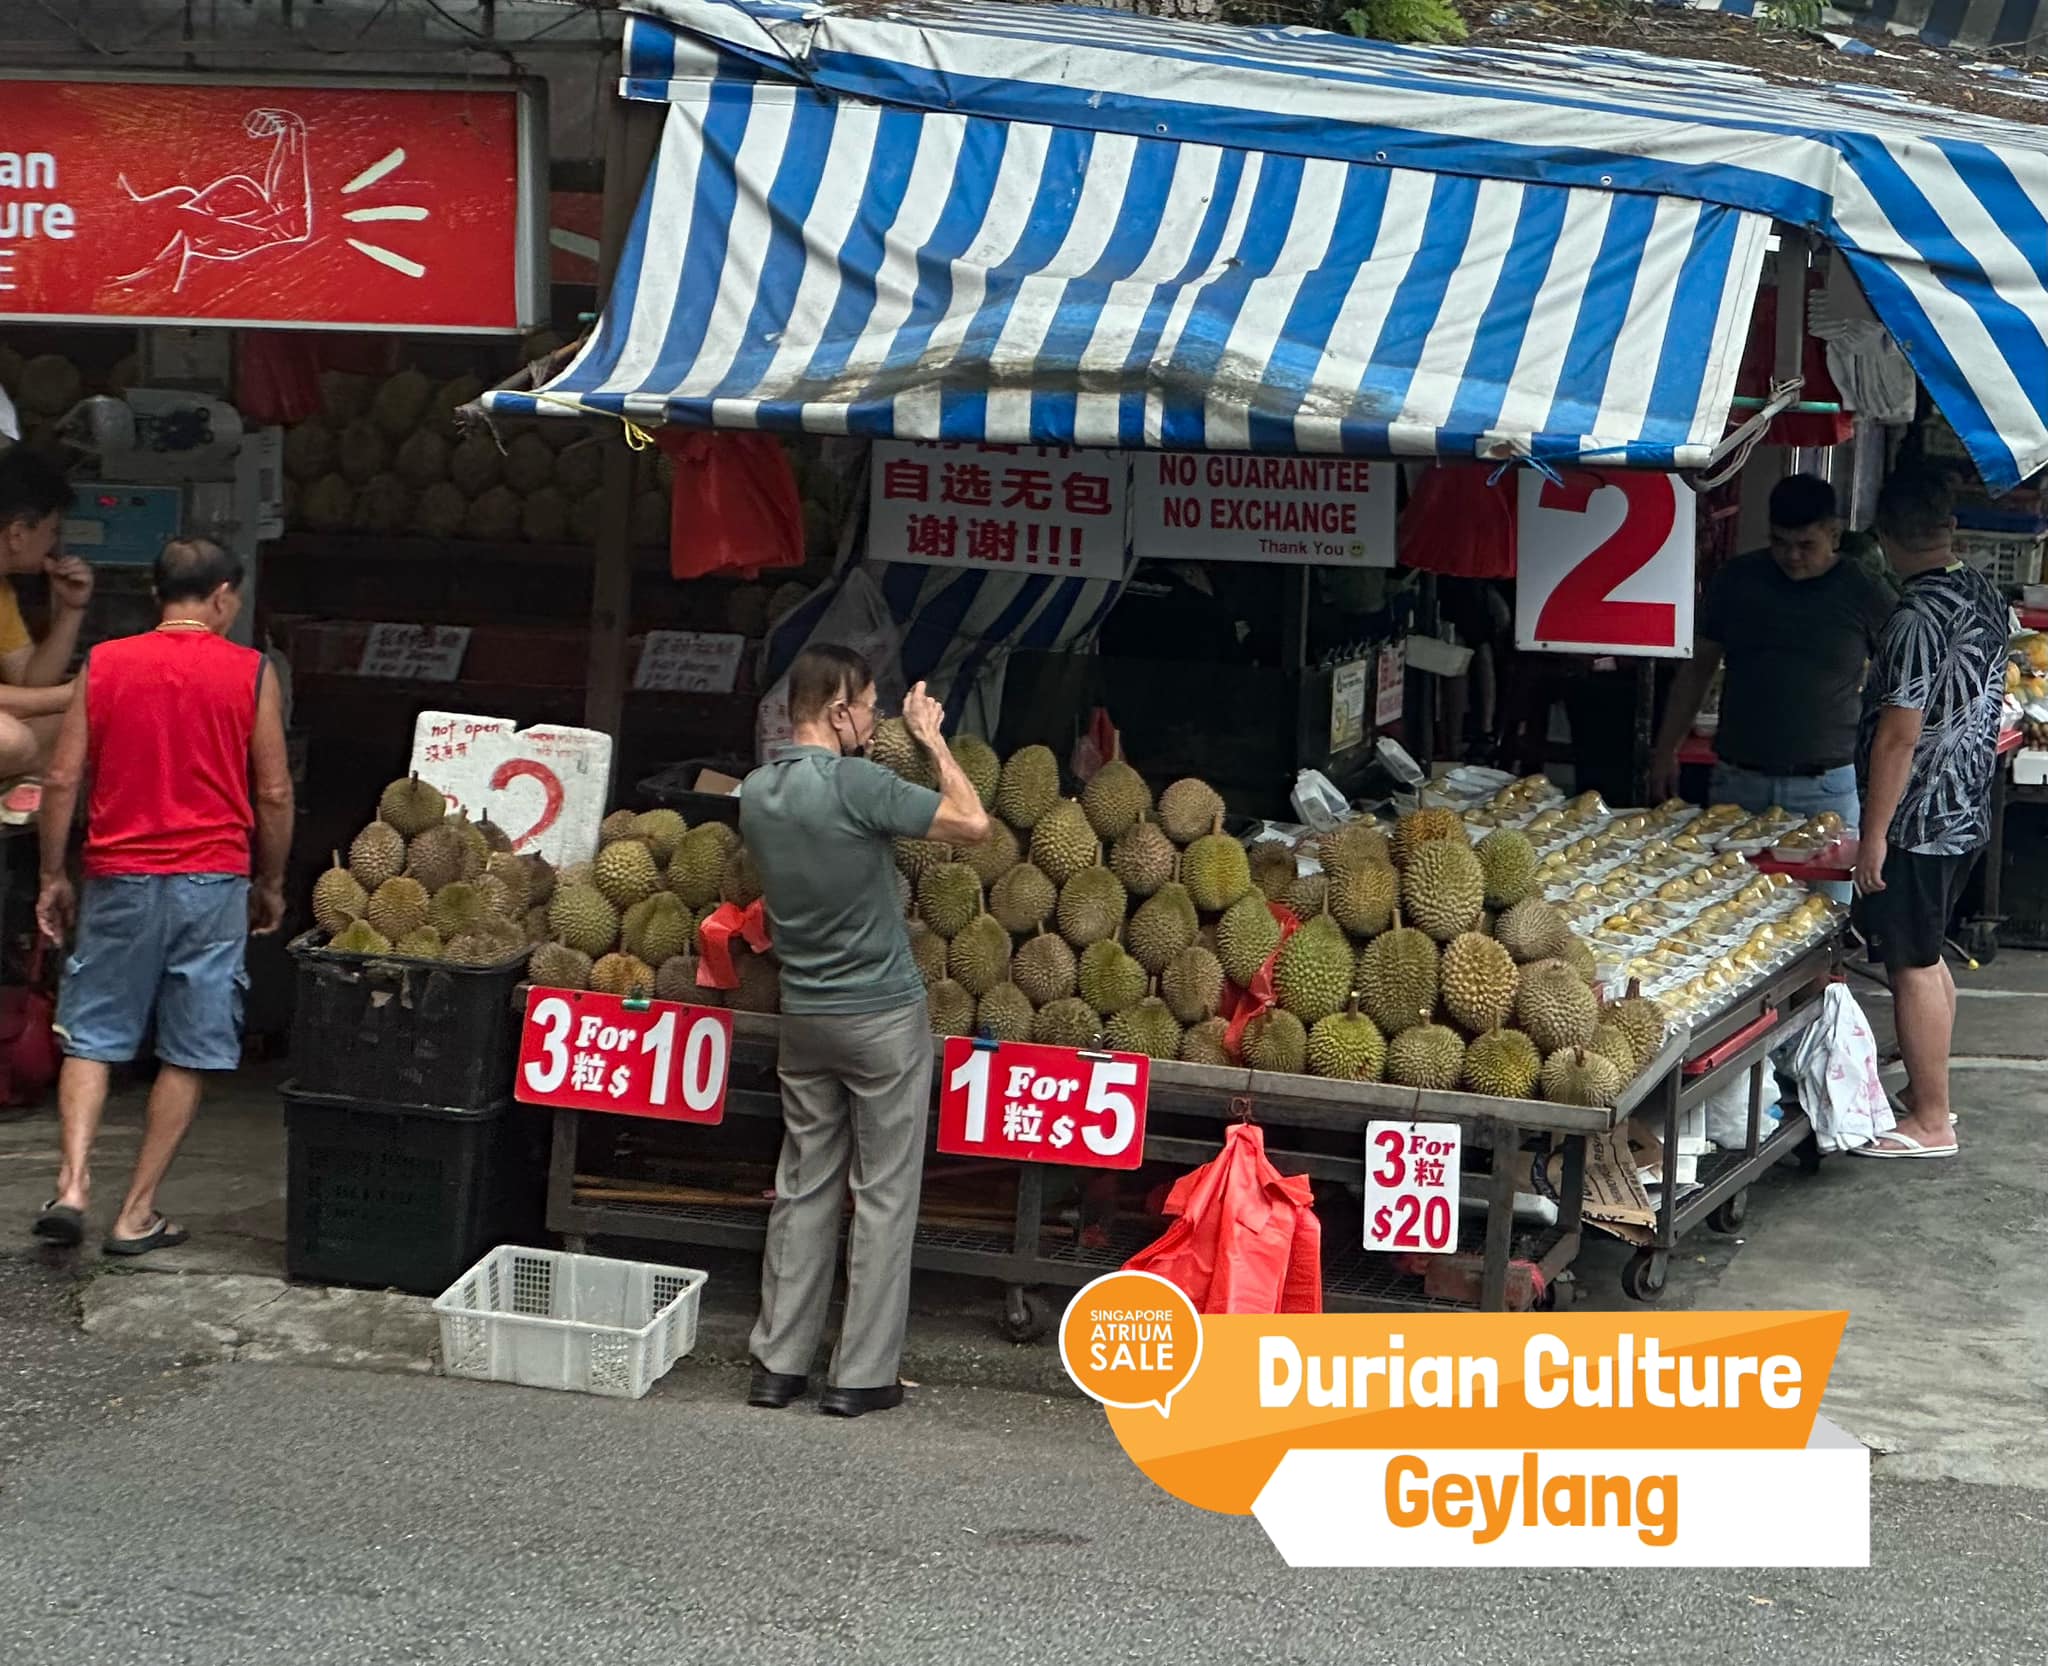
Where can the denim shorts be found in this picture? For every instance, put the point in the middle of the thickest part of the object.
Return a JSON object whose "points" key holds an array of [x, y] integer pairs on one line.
{"points": [[171, 945]]}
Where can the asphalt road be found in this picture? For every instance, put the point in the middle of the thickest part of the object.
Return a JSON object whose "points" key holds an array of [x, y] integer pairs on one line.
{"points": [[158, 1513]]}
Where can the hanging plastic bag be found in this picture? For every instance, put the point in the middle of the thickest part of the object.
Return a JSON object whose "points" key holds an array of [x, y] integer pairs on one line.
{"points": [[1838, 1080], [29, 1055], [1462, 521], [858, 618], [1727, 1109], [1245, 1238], [734, 509]]}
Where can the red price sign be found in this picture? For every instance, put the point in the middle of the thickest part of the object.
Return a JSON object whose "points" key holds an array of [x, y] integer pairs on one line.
{"points": [[582, 1051], [1043, 1104], [1411, 1186], [1604, 564]]}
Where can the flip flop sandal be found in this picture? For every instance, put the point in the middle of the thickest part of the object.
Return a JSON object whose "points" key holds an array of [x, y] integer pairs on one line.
{"points": [[161, 1235], [1904, 1146], [59, 1223]]}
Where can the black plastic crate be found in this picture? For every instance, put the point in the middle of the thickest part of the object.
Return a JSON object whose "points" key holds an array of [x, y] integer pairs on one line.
{"points": [[403, 1197], [671, 789], [405, 1032]]}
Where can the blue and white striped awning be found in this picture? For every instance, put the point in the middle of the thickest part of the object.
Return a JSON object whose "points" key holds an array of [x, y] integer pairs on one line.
{"points": [[1052, 224]]}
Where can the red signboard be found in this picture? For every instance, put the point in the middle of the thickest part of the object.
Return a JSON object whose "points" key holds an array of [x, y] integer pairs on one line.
{"points": [[582, 1051], [1043, 1104], [310, 206]]}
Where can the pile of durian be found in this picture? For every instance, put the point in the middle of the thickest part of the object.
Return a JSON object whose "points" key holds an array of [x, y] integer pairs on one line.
{"points": [[421, 884], [1114, 918]]}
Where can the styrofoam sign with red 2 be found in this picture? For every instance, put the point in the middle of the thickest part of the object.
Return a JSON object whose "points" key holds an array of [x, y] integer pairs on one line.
{"points": [[544, 786], [1604, 563]]}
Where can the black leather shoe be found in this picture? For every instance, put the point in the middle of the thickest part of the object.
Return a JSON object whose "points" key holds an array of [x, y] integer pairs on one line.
{"points": [[775, 1389], [857, 1402]]}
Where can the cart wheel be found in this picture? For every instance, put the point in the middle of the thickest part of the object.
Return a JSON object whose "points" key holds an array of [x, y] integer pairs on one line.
{"points": [[1025, 1317], [1730, 1214], [1807, 1154], [1980, 938], [1563, 1291], [1642, 1279]]}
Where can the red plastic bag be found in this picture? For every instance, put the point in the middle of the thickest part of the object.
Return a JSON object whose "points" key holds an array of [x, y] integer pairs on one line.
{"points": [[1459, 525], [1245, 1238], [735, 509], [29, 1055]]}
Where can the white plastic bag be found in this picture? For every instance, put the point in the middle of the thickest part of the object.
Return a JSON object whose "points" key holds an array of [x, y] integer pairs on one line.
{"points": [[856, 618], [1727, 1109], [1838, 1081], [1317, 802]]}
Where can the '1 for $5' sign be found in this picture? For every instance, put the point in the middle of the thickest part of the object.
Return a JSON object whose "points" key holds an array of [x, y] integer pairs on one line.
{"points": [[1043, 1104]]}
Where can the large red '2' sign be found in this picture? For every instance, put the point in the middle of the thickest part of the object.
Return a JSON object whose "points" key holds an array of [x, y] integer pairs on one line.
{"points": [[1570, 569]]}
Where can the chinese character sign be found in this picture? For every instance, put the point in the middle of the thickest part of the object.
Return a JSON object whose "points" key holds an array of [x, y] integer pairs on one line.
{"points": [[414, 653], [546, 787], [689, 662], [1043, 1104], [1411, 1186], [583, 1051], [1012, 509]]}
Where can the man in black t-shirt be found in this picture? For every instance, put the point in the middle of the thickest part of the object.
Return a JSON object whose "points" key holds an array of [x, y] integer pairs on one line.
{"points": [[1926, 751], [1795, 625]]}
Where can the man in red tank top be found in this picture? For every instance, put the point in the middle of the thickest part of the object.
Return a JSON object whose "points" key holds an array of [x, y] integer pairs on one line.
{"points": [[177, 737]]}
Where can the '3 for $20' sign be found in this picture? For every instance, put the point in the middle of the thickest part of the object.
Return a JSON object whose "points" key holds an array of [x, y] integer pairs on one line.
{"points": [[1043, 1104]]}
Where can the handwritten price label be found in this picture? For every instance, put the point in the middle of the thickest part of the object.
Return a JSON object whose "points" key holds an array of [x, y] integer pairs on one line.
{"points": [[582, 1051], [1043, 1104], [1411, 1186]]}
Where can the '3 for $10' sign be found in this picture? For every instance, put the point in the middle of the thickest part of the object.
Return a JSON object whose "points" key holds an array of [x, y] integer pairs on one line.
{"points": [[1043, 1104]]}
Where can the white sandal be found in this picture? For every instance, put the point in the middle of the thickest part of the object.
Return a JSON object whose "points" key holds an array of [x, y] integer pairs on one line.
{"points": [[1906, 1146]]}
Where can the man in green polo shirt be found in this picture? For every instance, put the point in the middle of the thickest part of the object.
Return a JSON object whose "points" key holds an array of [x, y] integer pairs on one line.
{"points": [[856, 1054]]}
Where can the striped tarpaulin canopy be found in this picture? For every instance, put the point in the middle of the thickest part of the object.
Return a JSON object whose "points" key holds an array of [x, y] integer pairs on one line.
{"points": [[1942, 215]]}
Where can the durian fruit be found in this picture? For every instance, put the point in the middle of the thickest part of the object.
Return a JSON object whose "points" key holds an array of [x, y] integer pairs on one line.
{"points": [[1276, 1041], [979, 763], [360, 937], [1508, 860], [1443, 888], [1148, 1027], [1310, 894], [656, 929], [421, 943], [376, 854], [1066, 1022], [1554, 1008], [495, 838], [1091, 907], [1313, 975], [540, 879], [699, 861], [616, 826], [555, 966], [894, 748], [994, 856], [537, 927], [1144, 859], [1362, 896], [1352, 846], [1532, 930], [622, 974], [1478, 980], [1114, 800], [625, 873], [1189, 809], [1162, 926], [1578, 955], [1246, 937], [1193, 984], [1612, 1043], [1023, 899], [675, 979], [1028, 786], [511, 872], [1062, 842], [581, 917], [1004, 1014], [498, 897], [979, 957], [760, 988], [950, 1008], [1421, 827], [1203, 1043], [412, 806], [398, 907], [913, 856], [1045, 969], [434, 857], [1109, 979], [1216, 871], [928, 949], [1426, 1056], [1397, 978], [1644, 1020], [1503, 1064], [661, 831], [948, 896], [338, 898], [1347, 1046], [740, 883], [1575, 1076], [1274, 869], [474, 847], [457, 910]]}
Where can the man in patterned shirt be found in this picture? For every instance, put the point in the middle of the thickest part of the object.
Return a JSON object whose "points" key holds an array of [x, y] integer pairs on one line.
{"points": [[1925, 753]]}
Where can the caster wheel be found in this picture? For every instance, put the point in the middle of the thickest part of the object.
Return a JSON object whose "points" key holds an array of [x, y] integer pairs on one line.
{"points": [[1730, 1214], [1807, 1154], [1025, 1316], [1563, 1292], [1642, 1279]]}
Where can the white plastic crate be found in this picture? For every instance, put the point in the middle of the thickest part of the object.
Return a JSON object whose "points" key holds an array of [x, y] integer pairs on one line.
{"points": [[2002, 557], [553, 1320]]}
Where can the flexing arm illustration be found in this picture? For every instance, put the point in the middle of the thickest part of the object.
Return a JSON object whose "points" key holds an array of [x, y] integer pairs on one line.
{"points": [[236, 216]]}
